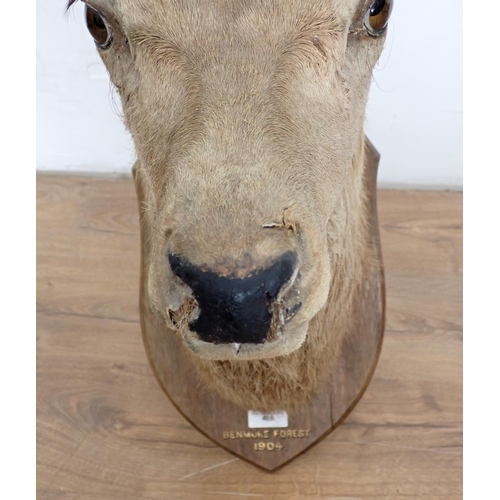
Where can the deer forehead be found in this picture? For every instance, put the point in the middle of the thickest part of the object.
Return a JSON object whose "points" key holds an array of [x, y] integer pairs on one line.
{"points": [[198, 21]]}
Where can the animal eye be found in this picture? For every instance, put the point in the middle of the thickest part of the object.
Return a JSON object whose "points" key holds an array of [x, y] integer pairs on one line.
{"points": [[377, 17], [98, 28]]}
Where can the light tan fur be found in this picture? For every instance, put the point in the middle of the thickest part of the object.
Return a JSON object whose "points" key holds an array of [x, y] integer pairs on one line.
{"points": [[247, 118]]}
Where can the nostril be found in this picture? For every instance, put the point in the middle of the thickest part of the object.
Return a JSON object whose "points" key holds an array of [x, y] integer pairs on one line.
{"points": [[182, 268], [234, 309], [280, 274]]}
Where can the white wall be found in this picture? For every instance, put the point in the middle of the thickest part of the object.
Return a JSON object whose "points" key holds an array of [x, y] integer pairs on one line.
{"points": [[414, 115]]}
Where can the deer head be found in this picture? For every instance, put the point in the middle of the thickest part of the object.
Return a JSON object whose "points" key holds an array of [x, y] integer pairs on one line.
{"points": [[247, 119]]}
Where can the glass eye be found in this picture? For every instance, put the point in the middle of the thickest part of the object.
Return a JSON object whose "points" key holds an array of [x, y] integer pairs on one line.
{"points": [[98, 28], [377, 17]]}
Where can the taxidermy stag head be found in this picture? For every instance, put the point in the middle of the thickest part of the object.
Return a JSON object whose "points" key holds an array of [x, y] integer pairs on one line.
{"points": [[247, 119]]}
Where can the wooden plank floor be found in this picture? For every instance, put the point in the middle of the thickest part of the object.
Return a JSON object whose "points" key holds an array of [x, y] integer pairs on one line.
{"points": [[106, 431]]}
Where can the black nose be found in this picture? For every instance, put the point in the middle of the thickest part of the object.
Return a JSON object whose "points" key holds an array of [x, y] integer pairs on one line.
{"points": [[234, 309]]}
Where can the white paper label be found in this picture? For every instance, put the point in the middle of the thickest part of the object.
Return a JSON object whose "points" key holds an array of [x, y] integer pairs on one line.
{"points": [[258, 420]]}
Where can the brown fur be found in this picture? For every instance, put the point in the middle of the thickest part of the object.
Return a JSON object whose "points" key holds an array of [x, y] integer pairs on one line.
{"points": [[289, 382], [247, 117]]}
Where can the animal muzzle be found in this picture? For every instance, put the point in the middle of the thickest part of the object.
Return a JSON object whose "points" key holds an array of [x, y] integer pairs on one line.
{"points": [[236, 310]]}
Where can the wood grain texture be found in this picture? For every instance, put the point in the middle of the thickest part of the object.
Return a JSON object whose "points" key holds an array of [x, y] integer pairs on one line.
{"points": [[105, 430]]}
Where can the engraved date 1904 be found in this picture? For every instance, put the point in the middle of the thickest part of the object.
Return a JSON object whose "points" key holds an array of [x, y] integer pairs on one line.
{"points": [[267, 446]]}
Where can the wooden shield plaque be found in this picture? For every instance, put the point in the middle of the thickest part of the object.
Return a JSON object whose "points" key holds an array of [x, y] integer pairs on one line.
{"points": [[271, 440]]}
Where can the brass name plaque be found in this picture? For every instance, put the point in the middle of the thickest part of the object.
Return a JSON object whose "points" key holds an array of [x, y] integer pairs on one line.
{"points": [[273, 437], [267, 433]]}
